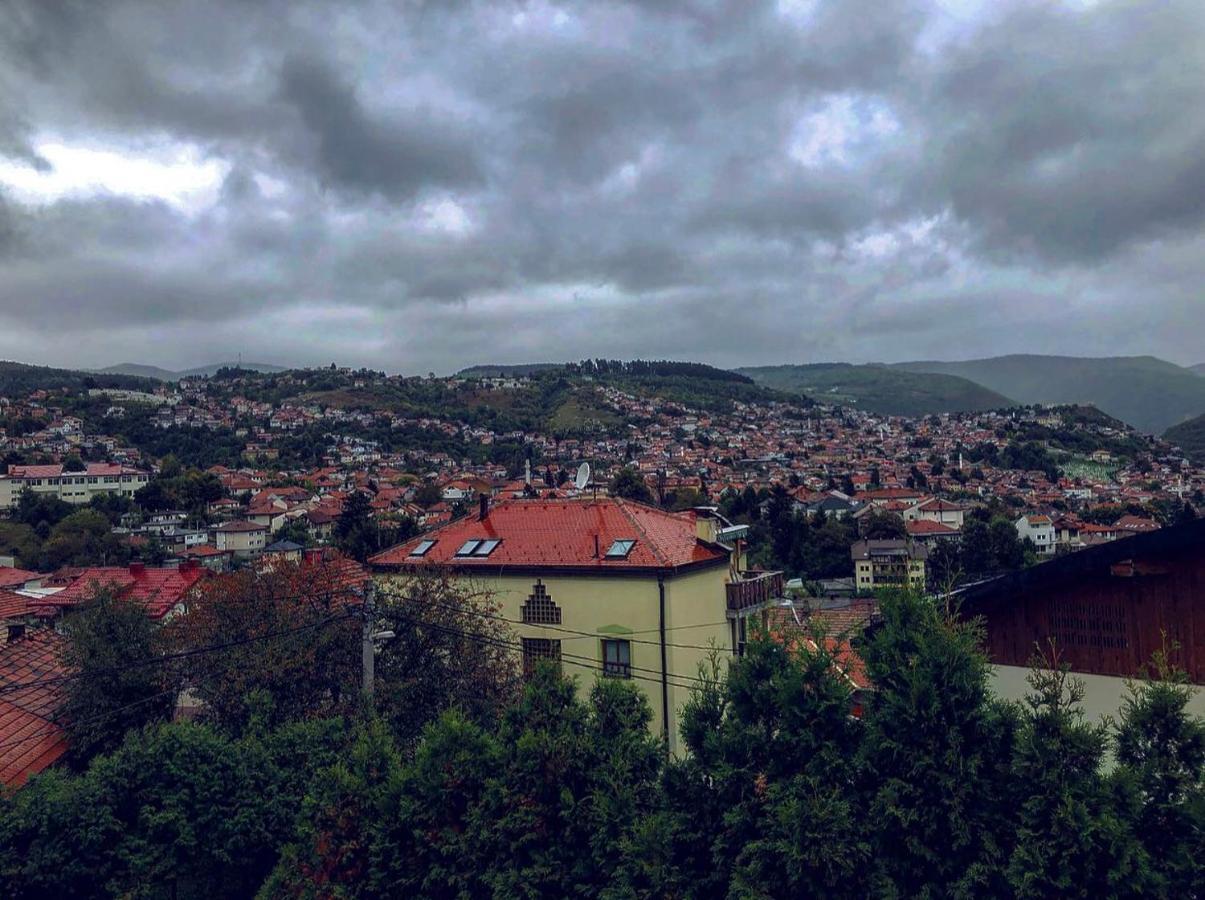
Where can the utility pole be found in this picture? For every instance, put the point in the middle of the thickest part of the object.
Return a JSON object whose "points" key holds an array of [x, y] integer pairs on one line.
{"points": [[367, 650], [369, 639]]}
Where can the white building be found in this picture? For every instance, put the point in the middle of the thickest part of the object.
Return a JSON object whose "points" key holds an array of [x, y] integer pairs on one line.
{"points": [[72, 487], [1040, 530]]}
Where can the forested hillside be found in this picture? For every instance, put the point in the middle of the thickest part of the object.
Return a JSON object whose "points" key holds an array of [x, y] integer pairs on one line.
{"points": [[1148, 393], [880, 389]]}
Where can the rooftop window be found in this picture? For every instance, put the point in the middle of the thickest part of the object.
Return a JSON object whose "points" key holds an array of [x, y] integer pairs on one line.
{"points": [[478, 547], [421, 548], [620, 549]]}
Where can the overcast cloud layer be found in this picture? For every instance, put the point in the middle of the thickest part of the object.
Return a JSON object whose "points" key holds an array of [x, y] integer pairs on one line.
{"points": [[418, 186]]}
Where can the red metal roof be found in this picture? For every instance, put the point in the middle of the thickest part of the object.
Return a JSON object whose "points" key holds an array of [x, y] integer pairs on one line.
{"points": [[30, 737], [561, 533]]}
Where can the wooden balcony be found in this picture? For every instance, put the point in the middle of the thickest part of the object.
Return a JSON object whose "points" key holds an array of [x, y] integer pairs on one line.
{"points": [[754, 589]]}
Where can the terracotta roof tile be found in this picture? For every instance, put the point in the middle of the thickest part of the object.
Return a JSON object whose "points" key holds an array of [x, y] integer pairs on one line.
{"points": [[560, 533]]}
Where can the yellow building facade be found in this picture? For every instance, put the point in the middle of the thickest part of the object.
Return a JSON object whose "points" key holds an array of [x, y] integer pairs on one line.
{"points": [[572, 591]]}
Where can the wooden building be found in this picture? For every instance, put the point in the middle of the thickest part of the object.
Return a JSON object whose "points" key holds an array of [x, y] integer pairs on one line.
{"points": [[1104, 610]]}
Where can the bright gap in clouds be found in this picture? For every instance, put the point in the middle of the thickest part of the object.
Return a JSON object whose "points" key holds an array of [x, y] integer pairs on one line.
{"points": [[181, 176]]}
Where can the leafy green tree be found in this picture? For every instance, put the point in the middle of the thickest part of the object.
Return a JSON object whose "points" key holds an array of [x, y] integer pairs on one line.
{"points": [[451, 649], [81, 539], [290, 636], [73, 463], [115, 685], [22, 542], [629, 484], [880, 524], [177, 811], [1161, 757], [1072, 838], [40, 512]]}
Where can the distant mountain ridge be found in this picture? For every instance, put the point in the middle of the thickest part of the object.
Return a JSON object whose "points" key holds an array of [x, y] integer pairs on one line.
{"points": [[880, 389], [1190, 437], [18, 379], [144, 371], [1199, 368], [1148, 393]]}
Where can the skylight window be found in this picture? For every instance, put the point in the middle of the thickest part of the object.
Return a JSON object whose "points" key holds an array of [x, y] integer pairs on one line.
{"points": [[467, 548], [421, 548], [620, 549], [485, 548]]}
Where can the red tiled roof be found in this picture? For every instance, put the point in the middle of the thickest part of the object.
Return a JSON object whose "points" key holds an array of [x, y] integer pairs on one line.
{"points": [[562, 534], [10, 577], [30, 737], [928, 526], [12, 605], [160, 590]]}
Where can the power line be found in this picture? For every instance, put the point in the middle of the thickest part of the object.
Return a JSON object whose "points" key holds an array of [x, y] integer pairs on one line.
{"points": [[587, 634], [172, 657], [52, 726], [584, 662]]}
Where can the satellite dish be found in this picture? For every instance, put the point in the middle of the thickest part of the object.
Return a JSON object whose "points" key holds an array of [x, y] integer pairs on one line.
{"points": [[583, 477]]}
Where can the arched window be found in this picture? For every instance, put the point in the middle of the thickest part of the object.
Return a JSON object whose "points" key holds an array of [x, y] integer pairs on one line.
{"points": [[539, 608]]}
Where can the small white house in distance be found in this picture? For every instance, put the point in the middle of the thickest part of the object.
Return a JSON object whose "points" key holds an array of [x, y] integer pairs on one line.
{"points": [[241, 538], [1039, 529]]}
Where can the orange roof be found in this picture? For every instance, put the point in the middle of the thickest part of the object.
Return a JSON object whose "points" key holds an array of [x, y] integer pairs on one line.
{"points": [[10, 577], [562, 534], [12, 604], [928, 526], [30, 737], [157, 589]]}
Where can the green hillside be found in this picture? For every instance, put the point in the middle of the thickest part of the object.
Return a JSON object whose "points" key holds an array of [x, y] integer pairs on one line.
{"points": [[564, 400], [508, 370], [1148, 393], [1190, 437], [1199, 368], [18, 379], [880, 389]]}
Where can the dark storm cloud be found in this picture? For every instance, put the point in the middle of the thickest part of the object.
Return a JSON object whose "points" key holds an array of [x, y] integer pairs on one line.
{"points": [[423, 185], [399, 157]]}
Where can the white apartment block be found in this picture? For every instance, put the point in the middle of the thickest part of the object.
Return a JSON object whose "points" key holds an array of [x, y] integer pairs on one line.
{"points": [[72, 487]]}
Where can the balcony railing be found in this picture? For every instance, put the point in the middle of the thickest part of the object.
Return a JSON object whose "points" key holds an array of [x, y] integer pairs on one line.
{"points": [[754, 589]]}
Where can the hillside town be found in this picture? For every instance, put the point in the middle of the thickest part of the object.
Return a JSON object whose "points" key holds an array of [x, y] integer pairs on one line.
{"points": [[930, 473]]}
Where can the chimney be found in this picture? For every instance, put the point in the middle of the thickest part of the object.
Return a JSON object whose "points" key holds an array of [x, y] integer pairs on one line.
{"points": [[189, 565], [137, 569], [705, 526], [596, 549], [484, 510], [313, 556]]}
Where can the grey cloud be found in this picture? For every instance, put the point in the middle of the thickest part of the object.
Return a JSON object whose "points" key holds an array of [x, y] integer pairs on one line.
{"points": [[622, 176], [1067, 134], [397, 156]]}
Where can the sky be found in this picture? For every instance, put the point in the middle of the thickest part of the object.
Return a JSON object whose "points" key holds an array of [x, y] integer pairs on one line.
{"points": [[419, 186]]}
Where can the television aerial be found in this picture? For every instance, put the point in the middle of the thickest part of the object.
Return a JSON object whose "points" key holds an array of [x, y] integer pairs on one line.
{"points": [[582, 481]]}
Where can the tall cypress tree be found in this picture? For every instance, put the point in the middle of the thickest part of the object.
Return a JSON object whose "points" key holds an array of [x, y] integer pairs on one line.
{"points": [[1161, 759], [1073, 837], [935, 758]]}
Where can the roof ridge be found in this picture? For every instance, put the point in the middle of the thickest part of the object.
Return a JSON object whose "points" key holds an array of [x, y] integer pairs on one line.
{"points": [[619, 501]]}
